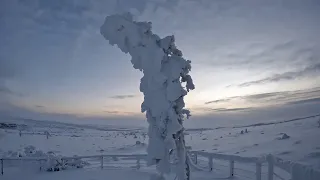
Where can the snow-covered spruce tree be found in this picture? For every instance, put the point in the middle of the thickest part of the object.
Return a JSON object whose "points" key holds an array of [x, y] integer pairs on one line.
{"points": [[164, 69]]}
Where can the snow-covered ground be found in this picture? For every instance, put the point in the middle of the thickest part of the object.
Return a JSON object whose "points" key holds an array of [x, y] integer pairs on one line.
{"points": [[83, 175], [74, 141], [301, 144], [98, 174]]}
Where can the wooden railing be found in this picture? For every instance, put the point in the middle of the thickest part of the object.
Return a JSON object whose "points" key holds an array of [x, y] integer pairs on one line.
{"points": [[298, 171], [232, 159], [135, 157], [295, 171], [270, 161]]}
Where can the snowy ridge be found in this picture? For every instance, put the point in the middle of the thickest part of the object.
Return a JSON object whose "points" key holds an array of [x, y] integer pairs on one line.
{"points": [[276, 122], [57, 124], [254, 124]]}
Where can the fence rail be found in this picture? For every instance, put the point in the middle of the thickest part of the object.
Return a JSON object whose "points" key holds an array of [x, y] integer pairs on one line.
{"points": [[294, 169], [232, 159], [135, 157]]}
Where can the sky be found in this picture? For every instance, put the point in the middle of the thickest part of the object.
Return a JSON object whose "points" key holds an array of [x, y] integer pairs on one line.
{"points": [[250, 58]]}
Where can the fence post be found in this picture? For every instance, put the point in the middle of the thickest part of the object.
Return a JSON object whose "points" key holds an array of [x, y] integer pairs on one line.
{"points": [[40, 165], [101, 162], [1, 166], [196, 158], [47, 134], [138, 163], [231, 168], [270, 167], [210, 163], [258, 171]]}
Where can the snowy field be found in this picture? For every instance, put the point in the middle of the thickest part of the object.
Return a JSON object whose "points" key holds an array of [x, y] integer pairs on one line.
{"points": [[68, 140], [300, 143], [94, 174]]}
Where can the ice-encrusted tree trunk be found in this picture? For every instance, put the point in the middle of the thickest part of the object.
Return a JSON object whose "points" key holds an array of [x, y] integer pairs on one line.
{"points": [[164, 70]]}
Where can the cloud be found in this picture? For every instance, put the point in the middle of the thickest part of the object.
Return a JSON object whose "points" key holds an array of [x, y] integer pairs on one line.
{"points": [[306, 101], [123, 96], [258, 55], [5, 90], [112, 112], [4, 71], [308, 71], [231, 109], [72, 16], [39, 106], [268, 61], [264, 95], [207, 109], [115, 112], [262, 55], [220, 100], [252, 97], [274, 97]]}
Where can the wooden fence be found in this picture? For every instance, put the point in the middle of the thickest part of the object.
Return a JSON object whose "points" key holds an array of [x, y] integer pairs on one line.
{"points": [[269, 161]]}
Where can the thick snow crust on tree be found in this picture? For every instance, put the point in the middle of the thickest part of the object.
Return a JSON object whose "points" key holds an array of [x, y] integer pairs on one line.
{"points": [[164, 70]]}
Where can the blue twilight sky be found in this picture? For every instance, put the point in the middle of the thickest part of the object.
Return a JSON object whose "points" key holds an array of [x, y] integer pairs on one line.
{"points": [[248, 57]]}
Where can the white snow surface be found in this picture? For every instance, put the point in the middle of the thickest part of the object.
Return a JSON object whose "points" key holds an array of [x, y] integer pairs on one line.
{"points": [[109, 174], [85, 174], [303, 145]]}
